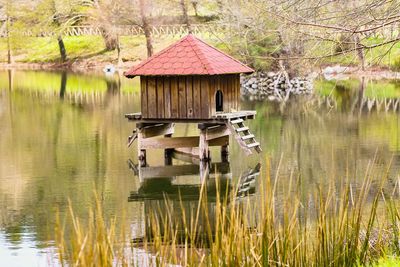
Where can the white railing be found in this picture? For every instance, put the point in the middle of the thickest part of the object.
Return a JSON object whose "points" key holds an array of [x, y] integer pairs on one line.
{"points": [[156, 31]]}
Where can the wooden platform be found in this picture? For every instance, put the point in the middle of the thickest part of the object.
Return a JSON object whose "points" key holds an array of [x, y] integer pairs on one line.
{"points": [[219, 117], [157, 134]]}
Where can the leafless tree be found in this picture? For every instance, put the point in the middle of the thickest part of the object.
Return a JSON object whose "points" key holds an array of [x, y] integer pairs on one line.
{"points": [[105, 15], [146, 27], [299, 31], [8, 31], [51, 16], [185, 16], [195, 4]]}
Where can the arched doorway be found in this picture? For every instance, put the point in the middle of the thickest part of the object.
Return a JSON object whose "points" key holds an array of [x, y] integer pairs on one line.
{"points": [[219, 101]]}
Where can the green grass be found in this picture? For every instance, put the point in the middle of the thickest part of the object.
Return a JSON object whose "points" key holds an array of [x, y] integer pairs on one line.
{"points": [[76, 47], [91, 48], [45, 49], [3, 50], [381, 89], [388, 262]]}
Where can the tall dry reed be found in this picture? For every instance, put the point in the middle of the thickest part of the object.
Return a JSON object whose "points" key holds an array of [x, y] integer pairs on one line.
{"points": [[334, 226]]}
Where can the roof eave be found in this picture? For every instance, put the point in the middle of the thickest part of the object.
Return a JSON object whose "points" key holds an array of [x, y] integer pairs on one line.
{"points": [[131, 75]]}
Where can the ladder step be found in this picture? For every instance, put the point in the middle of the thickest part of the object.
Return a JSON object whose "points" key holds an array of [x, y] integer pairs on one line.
{"points": [[245, 184], [236, 121], [243, 190], [132, 138], [253, 145], [242, 129], [246, 137]]}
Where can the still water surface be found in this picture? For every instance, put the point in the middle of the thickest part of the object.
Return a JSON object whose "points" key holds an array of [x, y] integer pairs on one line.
{"points": [[63, 135]]}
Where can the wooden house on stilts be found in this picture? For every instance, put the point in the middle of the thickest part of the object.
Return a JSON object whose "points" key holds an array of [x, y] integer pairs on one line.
{"points": [[190, 82]]}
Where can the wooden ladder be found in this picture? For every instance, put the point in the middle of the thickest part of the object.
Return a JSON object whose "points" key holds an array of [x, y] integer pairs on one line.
{"points": [[246, 181], [132, 138], [243, 136]]}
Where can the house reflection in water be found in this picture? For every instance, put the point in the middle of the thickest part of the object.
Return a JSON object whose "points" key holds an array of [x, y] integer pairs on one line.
{"points": [[173, 192]]}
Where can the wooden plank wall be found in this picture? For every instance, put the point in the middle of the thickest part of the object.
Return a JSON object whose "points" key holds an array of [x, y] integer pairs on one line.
{"points": [[230, 86], [187, 96]]}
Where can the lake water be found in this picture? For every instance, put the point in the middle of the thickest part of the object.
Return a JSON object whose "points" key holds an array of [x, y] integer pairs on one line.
{"points": [[64, 135]]}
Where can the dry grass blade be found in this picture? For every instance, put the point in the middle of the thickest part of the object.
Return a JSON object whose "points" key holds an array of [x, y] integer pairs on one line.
{"points": [[336, 226]]}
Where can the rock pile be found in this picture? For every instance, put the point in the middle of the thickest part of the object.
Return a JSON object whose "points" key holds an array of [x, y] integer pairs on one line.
{"points": [[274, 86]]}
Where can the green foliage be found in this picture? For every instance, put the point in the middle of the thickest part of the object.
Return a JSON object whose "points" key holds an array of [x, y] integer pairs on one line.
{"points": [[388, 262], [396, 64], [91, 48], [384, 56], [258, 50], [381, 89], [76, 46]]}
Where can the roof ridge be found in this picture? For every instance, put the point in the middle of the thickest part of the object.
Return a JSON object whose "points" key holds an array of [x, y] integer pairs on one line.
{"points": [[207, 64], [158, 54], [194, 46]]}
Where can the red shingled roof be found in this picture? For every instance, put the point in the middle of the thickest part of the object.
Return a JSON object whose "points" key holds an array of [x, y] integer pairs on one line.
{"points": [[189, 56]]}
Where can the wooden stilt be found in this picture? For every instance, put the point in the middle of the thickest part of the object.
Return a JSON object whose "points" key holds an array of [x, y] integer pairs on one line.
{"points": [[168, 152], [204, 153], [204, 168], [168, 157], [141, 151], [211, 134], [142, 158], [224, 153]]}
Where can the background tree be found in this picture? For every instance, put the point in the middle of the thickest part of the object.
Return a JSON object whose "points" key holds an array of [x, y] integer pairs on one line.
{"points": [[8, 14], [55, 16], [262, 33], [8, 30], [299, 32], [185, 16], [105, 15], [146, 26], [195, 4]]}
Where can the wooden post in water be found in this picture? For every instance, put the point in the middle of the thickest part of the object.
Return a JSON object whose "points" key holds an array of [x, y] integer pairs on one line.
{"points": [[204, 153], [204, 168], [141, 152], [224, 153], [168, 152]]}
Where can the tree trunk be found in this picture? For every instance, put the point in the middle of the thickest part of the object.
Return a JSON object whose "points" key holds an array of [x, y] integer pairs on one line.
{"points": [[10, 80], [119, 59], [146, 28], [110, 39], [195, 5], [113, 86], [185, 16], [220, 6], [63, 51], [63, 84], [360, 51], [361, 92], [9, 52]]}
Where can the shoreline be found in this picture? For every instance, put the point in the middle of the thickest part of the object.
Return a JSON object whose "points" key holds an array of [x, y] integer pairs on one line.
{"points": [[330, 72], [72, 66], [338, 72]]}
